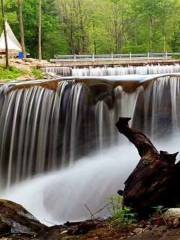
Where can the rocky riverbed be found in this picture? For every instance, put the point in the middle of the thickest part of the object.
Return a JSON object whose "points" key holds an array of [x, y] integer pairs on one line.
{"points": [[17, 223]]}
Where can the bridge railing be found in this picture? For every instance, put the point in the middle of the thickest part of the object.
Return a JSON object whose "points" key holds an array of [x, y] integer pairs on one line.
{"points": [[113, 57]]}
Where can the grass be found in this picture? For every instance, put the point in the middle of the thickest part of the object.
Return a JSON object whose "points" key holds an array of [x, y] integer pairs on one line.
{"points": [[10, 74], [122, 217], [13, 73], [37, 73]]}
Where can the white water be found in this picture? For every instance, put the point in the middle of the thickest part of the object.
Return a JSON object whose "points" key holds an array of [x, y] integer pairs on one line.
{"points": [[112, 71], [63, 71], [62, 195], [119, 71]]}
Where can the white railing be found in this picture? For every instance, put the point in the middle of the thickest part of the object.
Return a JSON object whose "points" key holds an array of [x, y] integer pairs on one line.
{"points": [[114, 57]]}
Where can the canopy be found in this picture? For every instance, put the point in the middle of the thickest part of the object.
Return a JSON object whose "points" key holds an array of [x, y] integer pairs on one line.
{"points": [[13, 43]]}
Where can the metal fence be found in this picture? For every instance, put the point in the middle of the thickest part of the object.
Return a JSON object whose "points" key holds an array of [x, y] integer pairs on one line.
{"points": [[114, 57]]}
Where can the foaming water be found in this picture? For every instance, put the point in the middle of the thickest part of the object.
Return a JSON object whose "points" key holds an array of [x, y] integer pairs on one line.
{"points": [[65, 194], [111, 71], [62, 195], [119, 71]]}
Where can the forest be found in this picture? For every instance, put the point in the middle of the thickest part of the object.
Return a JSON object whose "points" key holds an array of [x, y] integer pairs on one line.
{"points": [[97, 26]]}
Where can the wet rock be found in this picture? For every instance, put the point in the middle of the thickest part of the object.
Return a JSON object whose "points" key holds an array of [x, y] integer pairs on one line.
{"points": [[14, 219]]}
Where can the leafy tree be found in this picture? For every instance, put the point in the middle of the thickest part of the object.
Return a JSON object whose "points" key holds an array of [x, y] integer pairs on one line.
{"points": [[101, 26]]}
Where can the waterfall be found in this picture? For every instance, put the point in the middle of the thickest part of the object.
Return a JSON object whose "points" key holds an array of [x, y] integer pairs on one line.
{"points": [[59, 147], [111, 71], [125, 99], [44, 128], [105, 125], [161, 107], [35, 122], [116, 71], [62, 71]]}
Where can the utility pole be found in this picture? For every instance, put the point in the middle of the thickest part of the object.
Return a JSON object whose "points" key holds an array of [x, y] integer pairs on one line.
{"points": [[21, 25], [40, 30], [5, 33]]}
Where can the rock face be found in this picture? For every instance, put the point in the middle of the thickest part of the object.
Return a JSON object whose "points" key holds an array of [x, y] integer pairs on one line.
{"points": [[154, 181], [14, 219]]}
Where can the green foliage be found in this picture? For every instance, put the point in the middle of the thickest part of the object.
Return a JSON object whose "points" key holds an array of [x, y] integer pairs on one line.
{"points": [[122, 216], [101, 26], [14, 73], [10, 74], [37, 73]]}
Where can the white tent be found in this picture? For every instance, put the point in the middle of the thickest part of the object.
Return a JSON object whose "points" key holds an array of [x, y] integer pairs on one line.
{"points": [[13, 44]]}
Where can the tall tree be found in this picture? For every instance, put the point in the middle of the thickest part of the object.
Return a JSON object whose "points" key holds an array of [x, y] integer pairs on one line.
{"points": [[119, 23], [5, 33], [101, 26], [21, 24], [40, 30], [74, 17]]}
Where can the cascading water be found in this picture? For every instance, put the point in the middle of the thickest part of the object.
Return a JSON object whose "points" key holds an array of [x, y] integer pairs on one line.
{"points": [[46, 128], [62, 71], [35, 123], [111, 71], [117, 71], [161, 111]]}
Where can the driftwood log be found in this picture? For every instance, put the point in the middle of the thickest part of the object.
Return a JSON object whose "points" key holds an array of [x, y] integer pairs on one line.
{"points": [[156, 179]]}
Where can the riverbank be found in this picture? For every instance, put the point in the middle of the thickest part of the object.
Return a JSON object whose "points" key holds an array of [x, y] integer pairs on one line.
{"points": [[99, 230], [21, 70], [18, 224]]}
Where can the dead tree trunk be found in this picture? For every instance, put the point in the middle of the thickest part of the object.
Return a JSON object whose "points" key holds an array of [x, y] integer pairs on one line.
{"points": [[154, 182]]}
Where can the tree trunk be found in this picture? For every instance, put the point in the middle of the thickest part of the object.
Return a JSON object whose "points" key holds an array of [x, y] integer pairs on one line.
{"points": [[5, 33], [154, 181], [40, 30], [21, 24]]}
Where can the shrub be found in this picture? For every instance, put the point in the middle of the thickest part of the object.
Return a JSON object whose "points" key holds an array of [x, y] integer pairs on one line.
{"points": [[122, 216]]}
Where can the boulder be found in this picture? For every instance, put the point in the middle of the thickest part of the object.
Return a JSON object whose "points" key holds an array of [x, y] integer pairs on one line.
{"points": [[14, 219]]}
